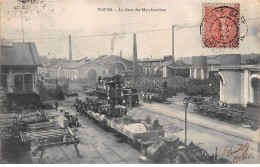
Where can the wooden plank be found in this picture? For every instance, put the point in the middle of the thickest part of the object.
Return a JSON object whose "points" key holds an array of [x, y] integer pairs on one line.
{"points": [[30, 135], [44, 134], [47, 135], [60, 143]]}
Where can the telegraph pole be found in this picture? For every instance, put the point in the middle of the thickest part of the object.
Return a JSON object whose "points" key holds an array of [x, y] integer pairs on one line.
{"points": [[173, 44], [185, 106], [22, 22]]}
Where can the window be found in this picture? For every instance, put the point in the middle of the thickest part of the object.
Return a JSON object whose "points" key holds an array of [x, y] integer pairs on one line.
{"points": [[256, 87], [18, 83], [28, 83]]}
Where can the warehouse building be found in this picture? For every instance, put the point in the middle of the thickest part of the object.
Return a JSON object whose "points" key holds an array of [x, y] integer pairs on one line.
{"points": [[207, 66], [86, 68], [104, 65], [239, 83], [19, 63], [151, 66]]}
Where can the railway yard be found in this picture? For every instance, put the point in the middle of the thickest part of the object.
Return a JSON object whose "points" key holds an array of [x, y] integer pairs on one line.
{"points": [[96, 143], [178, 83]]}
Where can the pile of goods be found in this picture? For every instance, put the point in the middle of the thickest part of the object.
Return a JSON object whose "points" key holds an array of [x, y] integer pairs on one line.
{"points": [[208, 86], [135, 128], [232, 113]]}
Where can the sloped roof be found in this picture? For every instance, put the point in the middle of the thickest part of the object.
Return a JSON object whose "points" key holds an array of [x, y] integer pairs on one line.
{"points": [[20, 54], [216, 59], [178, 65], [151, 60], [75, 63]]}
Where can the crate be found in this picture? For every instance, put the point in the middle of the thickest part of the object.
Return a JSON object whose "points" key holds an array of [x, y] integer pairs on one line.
{"points": [[63, 122]]}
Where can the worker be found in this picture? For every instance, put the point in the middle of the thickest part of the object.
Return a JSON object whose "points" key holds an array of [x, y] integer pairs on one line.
{"points": [[56, 105], [38, 114], [150, 98], [124, 102]]}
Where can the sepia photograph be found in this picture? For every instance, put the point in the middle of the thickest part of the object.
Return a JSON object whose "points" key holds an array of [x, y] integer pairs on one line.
{"points": [[129, 82]]}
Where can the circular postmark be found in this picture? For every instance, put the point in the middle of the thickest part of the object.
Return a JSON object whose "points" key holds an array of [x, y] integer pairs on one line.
{"points": [[220, 27]]}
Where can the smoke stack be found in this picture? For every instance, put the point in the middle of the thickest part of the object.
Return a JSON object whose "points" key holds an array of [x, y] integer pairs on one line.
{"points": [[121, 53], [173, 44], [135, 55], [112, 50], [70, 49]]}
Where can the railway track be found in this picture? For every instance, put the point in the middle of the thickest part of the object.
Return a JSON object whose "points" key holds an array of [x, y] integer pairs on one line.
{"points": [[67, 155], [116, 153], [192, 123], [113, 151], [100, 153]]}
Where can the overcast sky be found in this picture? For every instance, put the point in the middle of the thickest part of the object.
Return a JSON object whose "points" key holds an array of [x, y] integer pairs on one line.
{"points": [[49, 24]]}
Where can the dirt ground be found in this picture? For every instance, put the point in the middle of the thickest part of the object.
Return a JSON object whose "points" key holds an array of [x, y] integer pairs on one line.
{"points": [[98, 146]]}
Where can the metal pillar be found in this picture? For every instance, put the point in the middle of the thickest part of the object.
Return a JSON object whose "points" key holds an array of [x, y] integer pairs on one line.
{"points": [[185, 126], [186, 106], [173, 44]]}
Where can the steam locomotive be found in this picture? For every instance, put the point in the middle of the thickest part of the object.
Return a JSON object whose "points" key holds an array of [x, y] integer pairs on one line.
{"points": [[110, 86]]}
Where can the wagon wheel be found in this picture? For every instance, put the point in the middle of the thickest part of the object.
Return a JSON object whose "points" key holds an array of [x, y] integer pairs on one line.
{"points": [[229, 118], [158, 156], [130, 142], [208, 113], [213, 114], [168, 158], [237, 119], [223, 161], [180, 158], [200, 154]]}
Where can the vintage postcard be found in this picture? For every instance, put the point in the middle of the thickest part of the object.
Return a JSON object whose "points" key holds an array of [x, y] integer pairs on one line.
{"points": [[130, 82]]}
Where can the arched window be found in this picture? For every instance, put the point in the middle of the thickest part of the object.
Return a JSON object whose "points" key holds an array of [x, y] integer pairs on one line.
{"points": [[28, 83], [92, 75], [18, 83], [256, 87]]}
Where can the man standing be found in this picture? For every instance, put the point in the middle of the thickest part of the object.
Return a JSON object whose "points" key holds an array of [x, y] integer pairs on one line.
{"points": [[150, 98], [56, 105]]}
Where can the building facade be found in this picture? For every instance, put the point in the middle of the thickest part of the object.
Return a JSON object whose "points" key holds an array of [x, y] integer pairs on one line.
{"points": [[19, 63], [153, 66], [86, 68], [240, 84]]}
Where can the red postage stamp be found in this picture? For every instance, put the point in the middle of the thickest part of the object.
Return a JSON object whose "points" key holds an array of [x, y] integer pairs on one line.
{"points": [[220, 26]]}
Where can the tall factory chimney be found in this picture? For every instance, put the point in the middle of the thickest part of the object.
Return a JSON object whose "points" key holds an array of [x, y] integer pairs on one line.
{"points": [[121, 53], [173, 44], [135, 55], [70, 49]]}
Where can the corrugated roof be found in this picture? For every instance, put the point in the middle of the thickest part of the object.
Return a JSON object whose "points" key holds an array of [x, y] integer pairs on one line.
{"points": [[20, 54]]}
